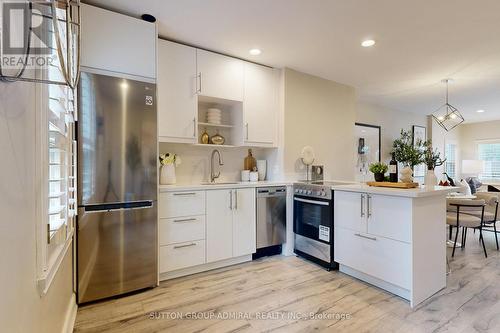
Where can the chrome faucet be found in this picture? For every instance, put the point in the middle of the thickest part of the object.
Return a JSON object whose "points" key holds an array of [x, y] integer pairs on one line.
{"points": [[214, 176]]}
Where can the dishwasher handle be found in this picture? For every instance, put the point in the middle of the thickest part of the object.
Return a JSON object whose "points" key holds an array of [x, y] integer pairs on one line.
{"points": [[266, 192]]}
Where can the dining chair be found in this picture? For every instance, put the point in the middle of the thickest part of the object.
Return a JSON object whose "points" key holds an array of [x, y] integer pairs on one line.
{"points": [[461, 213], [490, 212]]}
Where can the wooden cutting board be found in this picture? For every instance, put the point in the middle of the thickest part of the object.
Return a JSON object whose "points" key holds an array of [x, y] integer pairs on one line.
{"points": [[394, 185]]}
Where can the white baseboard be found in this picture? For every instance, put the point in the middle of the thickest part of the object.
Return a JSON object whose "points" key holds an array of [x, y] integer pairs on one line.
{"points": [[204, 267], [70, 317]]}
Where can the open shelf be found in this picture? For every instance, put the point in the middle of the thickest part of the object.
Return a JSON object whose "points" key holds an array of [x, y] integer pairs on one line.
{"points": [[215, 125], [231, 126]]}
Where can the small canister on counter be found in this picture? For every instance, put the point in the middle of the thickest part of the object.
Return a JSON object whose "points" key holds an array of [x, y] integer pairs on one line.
{"points": [[254, 176]]}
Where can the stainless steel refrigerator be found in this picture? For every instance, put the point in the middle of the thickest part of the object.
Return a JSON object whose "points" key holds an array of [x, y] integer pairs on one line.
{"points": [[117, 186]]}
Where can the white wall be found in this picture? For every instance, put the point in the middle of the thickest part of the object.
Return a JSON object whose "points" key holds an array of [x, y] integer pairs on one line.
{"points": [[195, 167], [391, 122], [318, 113], [21, 307]]}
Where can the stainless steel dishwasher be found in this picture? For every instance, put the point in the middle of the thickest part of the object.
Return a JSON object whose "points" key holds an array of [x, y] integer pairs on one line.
{"points": [[271, 219]]}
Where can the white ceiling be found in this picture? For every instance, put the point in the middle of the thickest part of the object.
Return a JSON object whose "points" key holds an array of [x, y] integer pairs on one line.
{"points": [[418, 43]]}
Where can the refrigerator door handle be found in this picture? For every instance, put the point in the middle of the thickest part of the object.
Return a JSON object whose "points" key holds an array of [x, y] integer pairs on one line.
{"points": [[107, 207]]}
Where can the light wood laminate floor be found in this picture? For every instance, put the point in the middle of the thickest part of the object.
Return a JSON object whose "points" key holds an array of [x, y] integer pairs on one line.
{"points": [[290, 289]]}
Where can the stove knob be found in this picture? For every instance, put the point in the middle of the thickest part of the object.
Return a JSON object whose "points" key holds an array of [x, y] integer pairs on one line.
{"points": [[318, 193], [301, 191], [309, 192], [323, 193], [296, 190]]}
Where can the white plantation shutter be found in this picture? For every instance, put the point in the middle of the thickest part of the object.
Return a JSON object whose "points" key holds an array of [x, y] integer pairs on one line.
{"points": [[61, 116], [490, 154], [61, 166]]}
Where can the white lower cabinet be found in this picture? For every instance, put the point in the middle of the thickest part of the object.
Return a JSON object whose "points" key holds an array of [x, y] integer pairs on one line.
{"points": [[202, 227], [373, 235], [395, 242], [181, 229], [185, 203], [219, 225], [182, 255], [244, 222], [231, 223], [380, 257]]}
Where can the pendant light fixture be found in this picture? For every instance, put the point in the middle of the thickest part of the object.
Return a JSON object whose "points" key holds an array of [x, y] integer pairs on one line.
{"points": [[448, 116]]}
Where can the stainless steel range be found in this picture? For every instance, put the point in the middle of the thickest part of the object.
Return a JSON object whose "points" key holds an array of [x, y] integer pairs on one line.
{"points": [[313, 222]]}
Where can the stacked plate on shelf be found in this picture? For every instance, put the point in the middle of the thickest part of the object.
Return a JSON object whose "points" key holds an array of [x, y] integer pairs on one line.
{"points": [[214, 116]]}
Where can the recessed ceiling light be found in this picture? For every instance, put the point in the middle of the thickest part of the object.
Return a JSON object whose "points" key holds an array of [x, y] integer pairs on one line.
{"points": [[480, 111], [255, 51], [368, 43]]}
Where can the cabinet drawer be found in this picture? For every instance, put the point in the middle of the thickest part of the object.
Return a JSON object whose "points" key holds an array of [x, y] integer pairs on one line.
{"points": [[188, 203], [383, 258], [181, 229], [183, 255]]}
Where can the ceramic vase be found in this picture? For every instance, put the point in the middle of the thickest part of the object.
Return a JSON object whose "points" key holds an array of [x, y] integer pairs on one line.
{"points": [[407, 175], [167, 174], [430, 179]]}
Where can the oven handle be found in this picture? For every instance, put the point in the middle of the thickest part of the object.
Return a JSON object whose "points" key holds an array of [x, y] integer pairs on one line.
{"points": [[314, 202]]}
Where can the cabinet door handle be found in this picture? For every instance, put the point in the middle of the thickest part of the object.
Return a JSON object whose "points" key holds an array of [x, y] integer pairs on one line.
{"points": [[362, 214], [246, 126], [194, 127], [184, 193], [235, 199], [199, 79], [185, 220], [368, 204], [231, 199], [367, 237], [185, 245]]}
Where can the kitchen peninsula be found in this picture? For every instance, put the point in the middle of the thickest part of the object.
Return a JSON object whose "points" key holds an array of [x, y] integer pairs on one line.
{"points": [[392, 238]]}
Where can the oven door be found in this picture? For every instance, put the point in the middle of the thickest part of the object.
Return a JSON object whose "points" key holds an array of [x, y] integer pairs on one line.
{"points": [[312, 218]]}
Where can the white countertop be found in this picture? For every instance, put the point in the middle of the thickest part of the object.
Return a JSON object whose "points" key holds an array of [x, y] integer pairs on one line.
{"points": [[418, 192], [216, 186]]}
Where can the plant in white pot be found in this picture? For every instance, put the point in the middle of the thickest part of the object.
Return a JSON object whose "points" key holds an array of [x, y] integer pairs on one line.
{"points": [[168, 163], [408, 154], [432, 158]]}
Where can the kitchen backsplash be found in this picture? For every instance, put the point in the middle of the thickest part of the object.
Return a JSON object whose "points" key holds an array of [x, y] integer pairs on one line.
{"points": [[195, 166]]}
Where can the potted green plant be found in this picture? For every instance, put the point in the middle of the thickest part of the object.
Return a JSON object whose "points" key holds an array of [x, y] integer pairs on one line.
{"points": [[408, 153], [432, 158], [379, 169]]}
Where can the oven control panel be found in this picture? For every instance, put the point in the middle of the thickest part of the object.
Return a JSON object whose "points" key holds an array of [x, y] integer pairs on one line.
{"points": [[313, 191]]}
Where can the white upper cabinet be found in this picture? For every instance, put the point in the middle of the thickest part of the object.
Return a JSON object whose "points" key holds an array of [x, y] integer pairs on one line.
{"points": [[244, 225], [260, 105], [177, 98], [220, 76], [117, 43]]}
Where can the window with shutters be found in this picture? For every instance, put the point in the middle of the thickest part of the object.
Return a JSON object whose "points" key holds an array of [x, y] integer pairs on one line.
{"points": [[489, 152], [56, 116], [450, 153]]}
